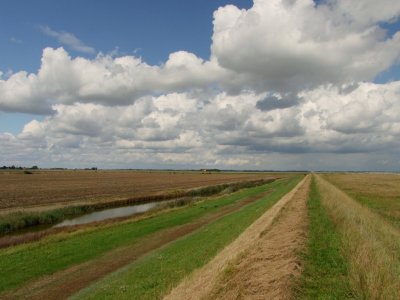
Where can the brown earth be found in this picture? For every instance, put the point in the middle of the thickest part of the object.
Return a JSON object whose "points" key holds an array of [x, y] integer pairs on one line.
{"points": [[19, 191], [262, 262], [65, 283]]}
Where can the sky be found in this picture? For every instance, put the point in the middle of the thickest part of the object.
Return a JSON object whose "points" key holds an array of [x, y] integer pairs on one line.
{"points": [[245, 84]]}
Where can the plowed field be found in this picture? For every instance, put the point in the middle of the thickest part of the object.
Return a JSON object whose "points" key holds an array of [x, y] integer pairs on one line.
{"points": [[70, 187]]}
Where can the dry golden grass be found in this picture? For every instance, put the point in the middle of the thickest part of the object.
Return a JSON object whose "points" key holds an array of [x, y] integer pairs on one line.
{"points": [[371, 244], [380, 192], [70, 187]]}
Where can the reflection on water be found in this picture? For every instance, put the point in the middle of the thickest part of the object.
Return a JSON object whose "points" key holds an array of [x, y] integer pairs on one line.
{"points": [[108, 214]]}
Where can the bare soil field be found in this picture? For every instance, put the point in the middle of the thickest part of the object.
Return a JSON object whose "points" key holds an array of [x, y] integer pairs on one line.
{"points": [[19, 190]]}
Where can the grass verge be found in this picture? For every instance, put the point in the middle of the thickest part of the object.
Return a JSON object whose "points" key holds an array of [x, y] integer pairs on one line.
{"points": [[379, 192], [325, 274], [21, 220], [370, 244], [26, 262], [157, 273]]}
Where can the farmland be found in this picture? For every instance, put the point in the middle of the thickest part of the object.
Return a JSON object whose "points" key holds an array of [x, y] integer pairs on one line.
{"points": [[314, 236], [55, 188], [380, 192]]}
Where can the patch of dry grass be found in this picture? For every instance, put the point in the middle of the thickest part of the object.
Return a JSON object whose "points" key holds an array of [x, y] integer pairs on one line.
{"points": [[370, 243], [380, 192]]}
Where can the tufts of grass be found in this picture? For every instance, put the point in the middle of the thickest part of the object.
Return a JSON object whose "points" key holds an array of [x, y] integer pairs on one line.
{"points": [[325, 274], [157, 273], [20, 220], [370, 244], [379, 192]]}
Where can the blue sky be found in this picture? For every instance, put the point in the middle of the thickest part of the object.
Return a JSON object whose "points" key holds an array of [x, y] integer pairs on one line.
{"points": [[149, 29], [272, 84]]}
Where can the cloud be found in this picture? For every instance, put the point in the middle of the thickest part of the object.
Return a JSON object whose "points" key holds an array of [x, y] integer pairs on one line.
{"points": [[104, 80], [68, 39], [15, 40], [289, 84], [281, 47], [277, 101], [176, 129], [295, 45]]}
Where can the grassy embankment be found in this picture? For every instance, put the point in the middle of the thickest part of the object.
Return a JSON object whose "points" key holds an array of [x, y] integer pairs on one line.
{"points": [[157, 273], [325, 274], [27, 262], [20, 220], [380, 192], [370, 244]]}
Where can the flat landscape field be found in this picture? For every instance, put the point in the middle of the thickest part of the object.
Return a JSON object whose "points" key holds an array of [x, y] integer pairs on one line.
{"points": [[300, 236], [379, 192], [18, 189]]}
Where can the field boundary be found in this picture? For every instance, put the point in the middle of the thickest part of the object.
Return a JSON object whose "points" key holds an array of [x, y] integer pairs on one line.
{"points": [[21, 220], [200, 283], [69, 281]]}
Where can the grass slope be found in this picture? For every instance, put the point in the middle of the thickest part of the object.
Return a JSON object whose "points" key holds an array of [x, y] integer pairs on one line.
{"points": [[379, 192], [325, 270], [27, 262], [157, 273], [370, 244]]}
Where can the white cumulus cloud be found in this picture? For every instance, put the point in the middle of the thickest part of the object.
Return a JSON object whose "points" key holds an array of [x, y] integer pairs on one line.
{"points": [[289, 84]]}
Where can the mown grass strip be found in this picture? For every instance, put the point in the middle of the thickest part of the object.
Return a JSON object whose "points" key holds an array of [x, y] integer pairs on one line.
{"points": [[325, 274], [157, 273], [27, 262]]}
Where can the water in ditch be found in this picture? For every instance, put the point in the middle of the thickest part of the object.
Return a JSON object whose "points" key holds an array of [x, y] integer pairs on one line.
{"points": [[110, 213]]}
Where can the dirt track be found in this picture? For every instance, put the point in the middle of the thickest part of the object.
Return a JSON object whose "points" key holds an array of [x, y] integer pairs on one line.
{"points": [[65, 283], [263, 260], [268, 269]]}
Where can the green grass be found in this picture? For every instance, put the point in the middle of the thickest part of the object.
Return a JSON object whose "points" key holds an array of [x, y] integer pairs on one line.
{"points": [[26, 262], [325, 270], [22, 220], [155, 274], [383, 206], [379, 192]]}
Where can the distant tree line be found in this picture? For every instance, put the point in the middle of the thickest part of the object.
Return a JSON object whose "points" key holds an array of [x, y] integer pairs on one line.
{"points": [[18, 168]]}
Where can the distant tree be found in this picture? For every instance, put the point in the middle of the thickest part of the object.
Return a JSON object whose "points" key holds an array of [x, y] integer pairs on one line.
{"points": [[35, 167]]}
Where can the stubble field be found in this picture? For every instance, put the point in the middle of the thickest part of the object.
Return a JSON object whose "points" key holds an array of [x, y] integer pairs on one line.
{"points": [[19, 190]]}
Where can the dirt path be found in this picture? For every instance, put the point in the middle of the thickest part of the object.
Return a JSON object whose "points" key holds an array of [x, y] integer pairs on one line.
{"points": [[65, 283], [265, 255]]}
